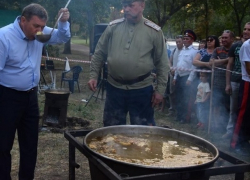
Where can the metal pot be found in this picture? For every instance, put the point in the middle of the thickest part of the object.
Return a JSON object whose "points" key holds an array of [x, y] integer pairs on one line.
{"points": [[57, 94], [135, 169]]}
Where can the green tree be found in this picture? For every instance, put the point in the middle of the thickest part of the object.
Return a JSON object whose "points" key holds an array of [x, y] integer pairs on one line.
{"points": [[240, 9], [160, 11]]}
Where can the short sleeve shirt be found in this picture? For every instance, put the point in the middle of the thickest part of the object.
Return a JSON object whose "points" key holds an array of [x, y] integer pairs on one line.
{"points": [[234, 52], [203, 52], [202, 89], [245, 57]]}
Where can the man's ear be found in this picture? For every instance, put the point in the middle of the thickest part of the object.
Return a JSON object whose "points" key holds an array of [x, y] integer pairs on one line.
{"points": [[143, 5], [23, 19]]}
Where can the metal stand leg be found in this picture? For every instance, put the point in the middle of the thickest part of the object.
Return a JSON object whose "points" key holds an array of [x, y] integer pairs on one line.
{"points": [[239, 176], [100, 86], [40, 84], [71, 159], [43, 78]]}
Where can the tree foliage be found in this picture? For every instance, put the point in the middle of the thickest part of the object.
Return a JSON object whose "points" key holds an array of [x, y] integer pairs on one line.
{"points": [[160, 11], [174, 16]]}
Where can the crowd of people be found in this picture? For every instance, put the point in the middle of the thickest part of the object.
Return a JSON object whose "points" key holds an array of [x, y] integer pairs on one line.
{"points": [[224, 92]]}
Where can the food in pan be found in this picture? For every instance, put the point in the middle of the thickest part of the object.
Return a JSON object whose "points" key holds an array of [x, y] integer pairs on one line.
{"points": [[150, 150]]}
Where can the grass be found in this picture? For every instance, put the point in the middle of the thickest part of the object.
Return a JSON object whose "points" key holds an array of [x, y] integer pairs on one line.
{"points": [[80, 41]]}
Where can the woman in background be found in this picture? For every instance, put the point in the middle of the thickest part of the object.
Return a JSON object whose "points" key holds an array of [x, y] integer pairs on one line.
{"points": [[203, 56]]}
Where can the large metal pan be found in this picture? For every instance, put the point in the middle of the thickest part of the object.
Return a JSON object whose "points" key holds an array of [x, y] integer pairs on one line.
{"points": [[122, 167]]}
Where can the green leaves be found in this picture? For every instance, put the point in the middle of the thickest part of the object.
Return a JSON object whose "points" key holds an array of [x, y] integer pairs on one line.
{"points": [[205, 17]]}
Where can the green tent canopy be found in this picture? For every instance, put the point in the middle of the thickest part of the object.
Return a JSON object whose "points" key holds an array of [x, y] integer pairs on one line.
{"points": [[8, 16]]}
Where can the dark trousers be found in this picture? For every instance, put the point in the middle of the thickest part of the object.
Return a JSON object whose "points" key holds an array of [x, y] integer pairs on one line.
{"points": [[202, 112], [182, 98], [136, 101], [18, 111]]}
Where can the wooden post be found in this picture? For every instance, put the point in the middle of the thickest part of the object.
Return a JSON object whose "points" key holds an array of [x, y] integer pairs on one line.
{"points": [[211, 99]]}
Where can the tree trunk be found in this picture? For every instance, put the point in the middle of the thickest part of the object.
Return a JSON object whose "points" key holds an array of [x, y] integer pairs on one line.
{"points": [[206, 18], [67, 45], [90, 26]]}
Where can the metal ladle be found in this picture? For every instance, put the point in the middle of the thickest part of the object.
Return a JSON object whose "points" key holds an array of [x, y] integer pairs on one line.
{"points": [[45, 37]]}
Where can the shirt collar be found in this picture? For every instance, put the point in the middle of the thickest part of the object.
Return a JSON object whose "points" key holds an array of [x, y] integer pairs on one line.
{"points": [[189, 47], [18, 28], [135, 24]]}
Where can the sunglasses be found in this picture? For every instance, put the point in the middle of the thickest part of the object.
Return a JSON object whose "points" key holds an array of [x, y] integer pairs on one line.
{"points": [[209, 39], [226, 31]]}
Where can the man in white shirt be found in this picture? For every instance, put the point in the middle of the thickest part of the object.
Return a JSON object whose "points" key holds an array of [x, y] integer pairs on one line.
{"points": [[241, 134], [173, 63], [183, 77]]}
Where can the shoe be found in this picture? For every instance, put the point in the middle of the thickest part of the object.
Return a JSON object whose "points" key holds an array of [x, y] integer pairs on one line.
{"points": [[227, 136], [199, 124], [171, 113], [202, 126], [160, 110]]}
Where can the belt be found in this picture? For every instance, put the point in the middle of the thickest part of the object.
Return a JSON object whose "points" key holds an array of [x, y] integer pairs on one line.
{"points": [[28, 91], [132, 81]]}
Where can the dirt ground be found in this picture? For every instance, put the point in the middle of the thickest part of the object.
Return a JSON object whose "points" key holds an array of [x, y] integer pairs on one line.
{"points": [[52, 161]]}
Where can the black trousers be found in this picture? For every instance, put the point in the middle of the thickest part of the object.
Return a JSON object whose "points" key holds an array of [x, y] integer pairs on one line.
{"points": [[136, 102], [18, 112], [182, 98]]}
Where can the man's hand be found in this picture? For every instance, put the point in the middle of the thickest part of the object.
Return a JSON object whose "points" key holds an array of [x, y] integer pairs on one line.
{"points": [[92, 84], [174, 82], [208, 64], [228, 89], [157, 98], [211, 62], [65, 15], [188, 83], [172, 72]]}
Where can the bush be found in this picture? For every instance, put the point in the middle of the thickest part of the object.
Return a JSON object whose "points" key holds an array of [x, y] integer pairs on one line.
{"points": [[53, 51]]}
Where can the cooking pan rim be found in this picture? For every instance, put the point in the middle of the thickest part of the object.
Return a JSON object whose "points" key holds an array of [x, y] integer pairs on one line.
{"points": [[216, 154], [57, 91]]}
